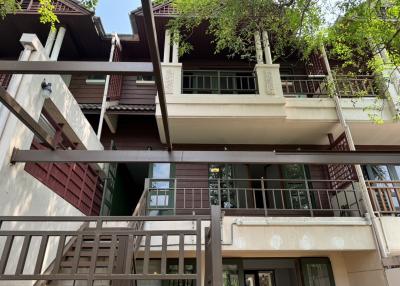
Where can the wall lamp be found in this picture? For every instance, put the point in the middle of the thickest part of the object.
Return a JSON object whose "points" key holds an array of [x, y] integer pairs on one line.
{"points": [[46, 88]]}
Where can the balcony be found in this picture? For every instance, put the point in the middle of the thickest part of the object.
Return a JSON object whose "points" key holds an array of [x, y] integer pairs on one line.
{"points": [[264, 106], [253, 197], [219, 82]]}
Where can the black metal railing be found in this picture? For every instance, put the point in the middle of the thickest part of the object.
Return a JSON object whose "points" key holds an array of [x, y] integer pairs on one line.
{"points": [[219, 82], [100, 248], [253, 197], [304, 86]]}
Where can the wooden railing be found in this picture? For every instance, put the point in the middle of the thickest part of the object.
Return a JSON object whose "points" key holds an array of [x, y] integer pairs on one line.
{"points": [[253, 197], [385, 196], [99, 249]]}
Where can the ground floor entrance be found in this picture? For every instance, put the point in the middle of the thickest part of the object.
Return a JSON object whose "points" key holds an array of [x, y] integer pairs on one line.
{"points": [[316, 271]]}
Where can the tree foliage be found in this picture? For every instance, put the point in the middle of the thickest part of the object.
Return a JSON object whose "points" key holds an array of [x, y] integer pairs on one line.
{"points": [[348, 27]]}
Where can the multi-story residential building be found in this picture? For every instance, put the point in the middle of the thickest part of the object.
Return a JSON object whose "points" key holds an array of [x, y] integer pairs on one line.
{"points": [[222, 209]]}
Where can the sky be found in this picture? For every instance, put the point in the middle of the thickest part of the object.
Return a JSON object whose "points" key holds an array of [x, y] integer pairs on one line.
{"points": [[114, 15]]}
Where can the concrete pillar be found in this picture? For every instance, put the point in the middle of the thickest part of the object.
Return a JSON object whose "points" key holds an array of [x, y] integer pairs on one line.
{"points": [[267, 48], [14, 84], [58, 44], [50, 42], [175, 49], [259, 53], [167, 46]]}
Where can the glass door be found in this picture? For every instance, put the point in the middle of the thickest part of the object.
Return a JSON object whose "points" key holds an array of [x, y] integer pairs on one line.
{"points": [[296, 186], [259, 278]]}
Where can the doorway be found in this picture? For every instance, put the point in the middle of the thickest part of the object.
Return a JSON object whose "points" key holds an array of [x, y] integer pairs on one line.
{"points": [[259, 278]]}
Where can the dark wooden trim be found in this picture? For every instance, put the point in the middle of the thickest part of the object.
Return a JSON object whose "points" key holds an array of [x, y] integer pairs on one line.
{"points": [[16, 109], [238, 157], [155, 58], [76, 67]]}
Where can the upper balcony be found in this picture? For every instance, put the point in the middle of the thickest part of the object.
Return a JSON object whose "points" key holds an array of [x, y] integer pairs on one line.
{"points": [[288, 102]]}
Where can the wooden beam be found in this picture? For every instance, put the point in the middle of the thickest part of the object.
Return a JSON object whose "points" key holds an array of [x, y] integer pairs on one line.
{"points": [[233, 157], [76, 67], [11, 104], [155, 58]]}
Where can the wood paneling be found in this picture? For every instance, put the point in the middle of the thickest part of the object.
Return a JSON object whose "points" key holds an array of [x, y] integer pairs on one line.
{"points": [[320, 172], [86, 93], [192, 187], [133, 93], [134, 133]]}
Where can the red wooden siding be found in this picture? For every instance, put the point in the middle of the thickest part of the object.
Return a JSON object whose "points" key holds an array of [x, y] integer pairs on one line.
{"points": [[341, 172], [133, 93], [316, 65], [320, 172], [195, 198], [115, 85], [130, 92], [86, 93], [78, 184]]}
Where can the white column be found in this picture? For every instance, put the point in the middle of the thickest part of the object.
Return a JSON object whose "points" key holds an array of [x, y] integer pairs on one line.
{"points": [[175, 48], [267, 48], [105, 92], [259, 54], [58, 44], [13, 87], [50, 42], [167, 46]]}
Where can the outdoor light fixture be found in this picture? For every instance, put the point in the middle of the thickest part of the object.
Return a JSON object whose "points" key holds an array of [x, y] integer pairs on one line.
{"points": [[46, 88]]}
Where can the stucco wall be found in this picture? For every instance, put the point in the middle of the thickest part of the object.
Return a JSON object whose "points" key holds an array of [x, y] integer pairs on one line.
{"points": [[20, 193], [364, 268]]}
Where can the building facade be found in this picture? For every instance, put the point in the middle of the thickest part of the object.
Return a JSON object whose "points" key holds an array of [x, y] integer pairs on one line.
{"points": [[169, 223]]}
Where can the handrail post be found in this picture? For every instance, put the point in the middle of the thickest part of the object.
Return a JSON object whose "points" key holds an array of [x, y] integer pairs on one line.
{"points": [[213, 252], [219, 192], [175, 183], [263, 196]]}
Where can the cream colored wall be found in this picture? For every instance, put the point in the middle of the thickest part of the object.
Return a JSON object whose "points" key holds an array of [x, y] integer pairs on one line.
{"points": [[393, 276], [391, 231], [21, 194], [296, 234], [364, 268]]}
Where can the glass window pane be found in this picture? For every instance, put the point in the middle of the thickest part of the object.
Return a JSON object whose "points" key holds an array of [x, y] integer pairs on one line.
{"points": [[317, 272]]}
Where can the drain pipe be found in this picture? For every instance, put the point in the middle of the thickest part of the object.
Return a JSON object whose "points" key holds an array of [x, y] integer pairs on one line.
{"points": [[364, 191], [105, 92]]}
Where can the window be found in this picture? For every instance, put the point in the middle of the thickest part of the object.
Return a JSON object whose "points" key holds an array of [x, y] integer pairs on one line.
{"points": [[145, 79], [161, 192], [317, 272], [230, 275], [96, 79]]}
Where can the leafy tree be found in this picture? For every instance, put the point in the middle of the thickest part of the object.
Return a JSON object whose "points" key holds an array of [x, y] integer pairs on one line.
{"points": [[348, 27], [354, 31]]}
